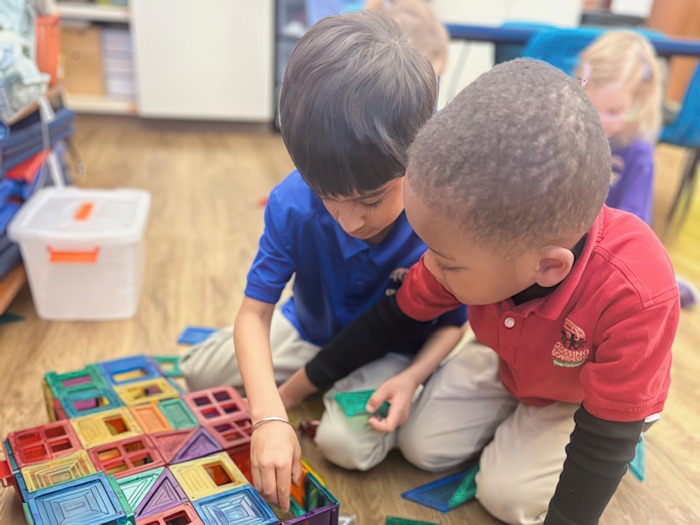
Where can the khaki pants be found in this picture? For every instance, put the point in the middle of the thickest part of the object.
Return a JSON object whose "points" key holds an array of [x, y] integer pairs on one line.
{"points": [[463, 410], [349, 442], [213, 362]]}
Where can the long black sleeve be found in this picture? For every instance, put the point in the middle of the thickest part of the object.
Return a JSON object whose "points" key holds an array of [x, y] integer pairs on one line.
{"points": [[597, 458], [381, 329]]}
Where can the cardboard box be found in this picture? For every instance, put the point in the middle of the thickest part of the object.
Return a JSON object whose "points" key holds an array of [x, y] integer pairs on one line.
{"points": [[81, 52]]}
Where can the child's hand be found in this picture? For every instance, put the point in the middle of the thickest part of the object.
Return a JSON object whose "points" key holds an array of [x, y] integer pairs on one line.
{"points": [[399, 391], [275, 457]]}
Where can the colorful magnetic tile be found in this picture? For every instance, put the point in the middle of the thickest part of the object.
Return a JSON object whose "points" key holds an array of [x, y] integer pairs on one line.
{"points": [[177, 413], [181, 515], [10, 456], [89, 401], [231, 431], [127, 456], [215, 404], [146, 391], [354, 403], [48, 400], [87, 378], [150, 418], [15, 478], [170, 443], [241, 458], [57, 471], [5, 473], [393, 520], [242, 505], [193, 335], [43, 443], [320, 505], [200, 444], [439, 494], [136, 486], [132, 369], [164, 494], [207, 476], [637, 464], [169, 365], [27, 514], [466, 490], [58, 411], [176, 386], [130, 518], [105, 427], [89, 500]]}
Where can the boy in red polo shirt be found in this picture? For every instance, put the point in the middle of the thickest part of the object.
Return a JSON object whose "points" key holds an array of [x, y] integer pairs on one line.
{"points": [[578, 301]]}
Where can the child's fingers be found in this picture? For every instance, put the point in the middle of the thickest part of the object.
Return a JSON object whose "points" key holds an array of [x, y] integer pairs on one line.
{"points": [[296, 471], [284, 476], [257, 477], [375, 401], [269, 485], [380, 425]]}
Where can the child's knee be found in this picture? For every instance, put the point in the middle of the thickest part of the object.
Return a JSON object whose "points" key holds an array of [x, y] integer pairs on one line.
{"points": [[418, 451], [508, 499], [347, 448], [211, 363]]}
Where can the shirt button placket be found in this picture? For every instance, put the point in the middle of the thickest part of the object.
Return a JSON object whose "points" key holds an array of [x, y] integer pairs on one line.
{"points": [[510, 335]]}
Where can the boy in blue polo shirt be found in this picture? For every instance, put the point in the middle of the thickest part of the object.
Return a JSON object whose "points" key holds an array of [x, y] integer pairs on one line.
{"points": [[355, 94]]}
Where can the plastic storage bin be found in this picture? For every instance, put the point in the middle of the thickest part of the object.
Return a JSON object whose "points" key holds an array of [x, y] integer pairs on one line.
{"points": [[83, 251]]}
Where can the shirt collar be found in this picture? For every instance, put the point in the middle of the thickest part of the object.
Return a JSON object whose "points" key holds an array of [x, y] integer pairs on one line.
{"points": [[352, 246], [550, 302]]}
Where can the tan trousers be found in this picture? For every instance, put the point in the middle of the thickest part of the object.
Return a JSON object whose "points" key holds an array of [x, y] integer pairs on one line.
{"points": [[349, 442], [213, 362], [464, 409]]}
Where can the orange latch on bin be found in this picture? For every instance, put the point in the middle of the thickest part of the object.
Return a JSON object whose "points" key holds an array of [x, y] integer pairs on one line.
{"points": [[72, 257], [84, 211]]}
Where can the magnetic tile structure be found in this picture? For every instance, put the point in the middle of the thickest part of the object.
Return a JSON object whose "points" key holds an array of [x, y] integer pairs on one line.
{"points": [[124, 445]]}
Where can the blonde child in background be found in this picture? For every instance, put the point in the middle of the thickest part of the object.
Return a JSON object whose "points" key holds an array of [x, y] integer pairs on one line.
{"points": [[425, 31], [623, 80]]}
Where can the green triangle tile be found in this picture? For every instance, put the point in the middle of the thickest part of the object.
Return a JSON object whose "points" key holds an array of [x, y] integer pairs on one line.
{"points": [[467, 488], [136, 486]]}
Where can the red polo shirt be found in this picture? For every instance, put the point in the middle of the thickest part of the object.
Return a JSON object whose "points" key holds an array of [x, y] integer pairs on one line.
{"points": [[603, 336]]}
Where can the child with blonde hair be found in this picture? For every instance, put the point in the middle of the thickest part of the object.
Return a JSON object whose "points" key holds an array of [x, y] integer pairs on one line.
{"points": [[425, 31], [622, 78]]}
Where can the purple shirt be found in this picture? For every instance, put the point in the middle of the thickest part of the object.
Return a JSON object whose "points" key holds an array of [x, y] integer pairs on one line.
{"points": [[632, 185]]}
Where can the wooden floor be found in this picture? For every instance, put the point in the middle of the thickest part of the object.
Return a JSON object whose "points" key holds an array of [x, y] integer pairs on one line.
{"points": [[206, 183]]}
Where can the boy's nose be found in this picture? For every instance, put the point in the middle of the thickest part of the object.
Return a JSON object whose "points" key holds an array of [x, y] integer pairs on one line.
{"points": [[350, 221]]}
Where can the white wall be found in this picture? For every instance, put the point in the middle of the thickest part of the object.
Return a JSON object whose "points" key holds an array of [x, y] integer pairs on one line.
{"points": [[468, 60]]}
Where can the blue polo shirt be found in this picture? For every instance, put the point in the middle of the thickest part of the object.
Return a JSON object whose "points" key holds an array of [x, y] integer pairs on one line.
{"points": [[336, 276]]}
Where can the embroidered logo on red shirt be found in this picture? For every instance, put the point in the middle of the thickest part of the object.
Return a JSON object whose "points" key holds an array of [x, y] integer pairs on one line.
{"points": [[569, 352]]}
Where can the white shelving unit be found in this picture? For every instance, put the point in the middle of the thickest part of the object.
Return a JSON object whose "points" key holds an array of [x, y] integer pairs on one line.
{"points": [[190, 62]]}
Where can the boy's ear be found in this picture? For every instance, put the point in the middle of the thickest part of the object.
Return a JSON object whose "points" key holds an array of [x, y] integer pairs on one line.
{"points": [[554, 265]]}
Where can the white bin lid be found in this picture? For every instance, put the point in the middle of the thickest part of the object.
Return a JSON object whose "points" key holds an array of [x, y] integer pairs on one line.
{"points": [[76, 214]]}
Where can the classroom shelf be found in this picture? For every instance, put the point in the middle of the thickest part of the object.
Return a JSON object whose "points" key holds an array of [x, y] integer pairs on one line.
{"points": [[103, 105], [92, 12]]}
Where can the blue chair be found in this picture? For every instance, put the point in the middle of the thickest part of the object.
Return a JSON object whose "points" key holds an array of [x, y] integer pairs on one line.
{"points": [[684, 131], [561, 47]]}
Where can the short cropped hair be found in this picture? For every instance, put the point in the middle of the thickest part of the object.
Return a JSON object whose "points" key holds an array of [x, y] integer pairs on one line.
{"points": [[519, 158], [627, 58], [354, 95]]}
